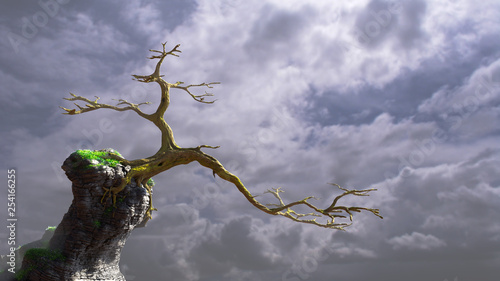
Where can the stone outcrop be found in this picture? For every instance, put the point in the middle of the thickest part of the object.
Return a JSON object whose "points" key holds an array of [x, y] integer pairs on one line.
{"points": [[87, 243], [5, 275]]}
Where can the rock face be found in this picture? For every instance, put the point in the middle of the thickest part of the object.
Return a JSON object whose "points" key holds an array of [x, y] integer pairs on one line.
{"points": [[20, 252], [87, 243], [42, 243]]}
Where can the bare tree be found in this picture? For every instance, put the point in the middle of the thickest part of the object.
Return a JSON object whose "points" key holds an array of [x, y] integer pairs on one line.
{"points": [[170, 155]]}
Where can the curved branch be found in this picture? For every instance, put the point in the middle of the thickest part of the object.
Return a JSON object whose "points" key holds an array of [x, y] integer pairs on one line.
{"points": [[93, 105], [286, 210], [198, 98]]}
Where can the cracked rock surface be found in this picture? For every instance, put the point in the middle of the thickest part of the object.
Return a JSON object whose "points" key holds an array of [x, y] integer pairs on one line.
{"points": [[91, 234]]}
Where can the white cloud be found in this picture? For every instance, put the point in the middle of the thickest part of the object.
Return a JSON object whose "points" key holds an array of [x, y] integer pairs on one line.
{"points": [[144, 16], [343, 251], [416, 241]]}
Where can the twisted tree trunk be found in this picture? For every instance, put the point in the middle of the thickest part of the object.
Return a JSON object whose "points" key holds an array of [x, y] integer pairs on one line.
{"points": [[170, 155]]}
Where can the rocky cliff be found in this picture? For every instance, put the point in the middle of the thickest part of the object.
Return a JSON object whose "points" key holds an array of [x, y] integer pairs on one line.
{"points": [[87, 243]]}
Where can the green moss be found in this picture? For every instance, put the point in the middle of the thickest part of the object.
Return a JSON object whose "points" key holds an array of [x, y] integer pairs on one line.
{"points": [[100, 156], [117, 153], [21, 275], [97, 223], [51, 228], [39, 253], [108, 210], [36, 253], [151, 182]]}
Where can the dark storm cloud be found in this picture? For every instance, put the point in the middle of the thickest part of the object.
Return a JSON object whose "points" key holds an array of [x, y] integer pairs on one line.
{"points": [[277, 30], [400, 98], [383, 20], [410, 32], [234, 248], [379, 19]]}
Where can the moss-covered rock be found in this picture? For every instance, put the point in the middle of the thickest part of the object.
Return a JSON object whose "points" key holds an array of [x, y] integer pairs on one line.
{"points": [[87, 243], [38, 257], [95, 158]]}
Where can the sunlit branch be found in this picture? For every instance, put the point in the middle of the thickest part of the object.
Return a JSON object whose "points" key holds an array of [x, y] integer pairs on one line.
{"points": [[171, 155], [199, 98], [93, 105]]}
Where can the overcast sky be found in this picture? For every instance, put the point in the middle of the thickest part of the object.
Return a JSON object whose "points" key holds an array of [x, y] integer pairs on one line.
{"points": [[400, 97]]}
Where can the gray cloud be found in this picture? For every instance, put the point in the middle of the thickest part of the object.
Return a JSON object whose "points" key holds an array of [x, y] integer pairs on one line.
{"points": [[303, 102]]}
